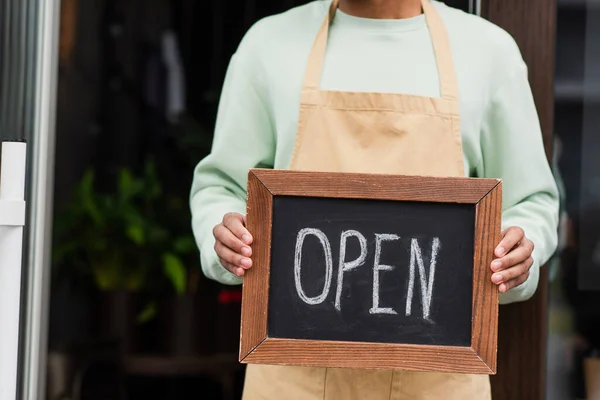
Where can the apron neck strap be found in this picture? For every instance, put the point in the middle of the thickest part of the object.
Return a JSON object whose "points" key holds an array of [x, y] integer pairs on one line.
{"points": [[439, 38]]}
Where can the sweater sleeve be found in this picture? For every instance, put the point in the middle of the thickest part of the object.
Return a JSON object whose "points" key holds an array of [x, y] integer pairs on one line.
{"points": [[243, 139], [513, 150]]}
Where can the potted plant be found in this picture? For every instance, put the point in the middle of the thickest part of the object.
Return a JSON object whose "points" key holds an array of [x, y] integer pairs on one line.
{"points": [[106, 238], [134, 244]]}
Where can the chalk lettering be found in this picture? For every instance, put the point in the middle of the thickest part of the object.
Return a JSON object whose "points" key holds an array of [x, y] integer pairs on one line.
{"points": [[416, 259], [379, 239], [344, 265], [298, 265]]}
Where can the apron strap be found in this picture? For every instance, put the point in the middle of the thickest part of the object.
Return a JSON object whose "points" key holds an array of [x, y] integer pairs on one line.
{"points": [[312, 76], [443, 52], [439, 38]]}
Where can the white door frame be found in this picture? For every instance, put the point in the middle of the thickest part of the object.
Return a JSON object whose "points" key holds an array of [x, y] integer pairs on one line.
{"points": [[41, 195], [12, 222], [32, 74]]}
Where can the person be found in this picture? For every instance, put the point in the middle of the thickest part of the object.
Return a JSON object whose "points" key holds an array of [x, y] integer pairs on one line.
{"points": [[411, 87]]}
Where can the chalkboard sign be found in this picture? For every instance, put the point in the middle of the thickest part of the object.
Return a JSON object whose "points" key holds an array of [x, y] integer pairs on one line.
{"points": [[371, 271]]}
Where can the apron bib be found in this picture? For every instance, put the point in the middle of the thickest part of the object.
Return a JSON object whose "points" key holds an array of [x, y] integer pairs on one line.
{"points": [[374, 133]]}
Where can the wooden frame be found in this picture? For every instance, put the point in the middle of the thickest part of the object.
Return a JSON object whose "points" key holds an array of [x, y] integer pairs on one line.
{"points": [[257, 348]]}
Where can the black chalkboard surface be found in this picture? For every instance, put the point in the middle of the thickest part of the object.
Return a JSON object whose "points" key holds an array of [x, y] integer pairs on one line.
{"points": [[371, 271], [379, 300]]}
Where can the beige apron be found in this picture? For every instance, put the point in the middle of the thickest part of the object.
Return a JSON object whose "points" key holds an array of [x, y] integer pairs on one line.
{"points": [[375, 133]]}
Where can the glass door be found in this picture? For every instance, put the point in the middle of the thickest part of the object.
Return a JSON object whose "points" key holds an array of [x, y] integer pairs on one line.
{"points": [[29, 104]]}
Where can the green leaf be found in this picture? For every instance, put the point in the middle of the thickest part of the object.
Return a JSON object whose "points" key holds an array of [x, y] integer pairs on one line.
{"points": [[135, 232], [86, 186], [128, 185], [175, 271], [125, 180], [147, 313], [153, 188], [184, 245], [106, 275], [88, 197]]}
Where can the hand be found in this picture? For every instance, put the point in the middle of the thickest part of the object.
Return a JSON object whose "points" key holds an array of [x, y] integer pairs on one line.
{"points": [[511, 268], [232, 243]]}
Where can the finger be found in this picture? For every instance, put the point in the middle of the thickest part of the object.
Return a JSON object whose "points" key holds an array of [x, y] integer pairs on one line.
{"points": [[505, 287], [233, 269], [230, 256], [513, 272], [225, 236], [514, 257], [236, 224], [510, 238]]}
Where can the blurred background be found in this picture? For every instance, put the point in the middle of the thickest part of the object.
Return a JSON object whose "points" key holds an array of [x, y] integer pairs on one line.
{"points": [[130, 314]]}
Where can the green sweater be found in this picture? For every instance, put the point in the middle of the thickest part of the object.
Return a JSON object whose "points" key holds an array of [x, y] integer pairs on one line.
{"points": [[258, 112]]}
